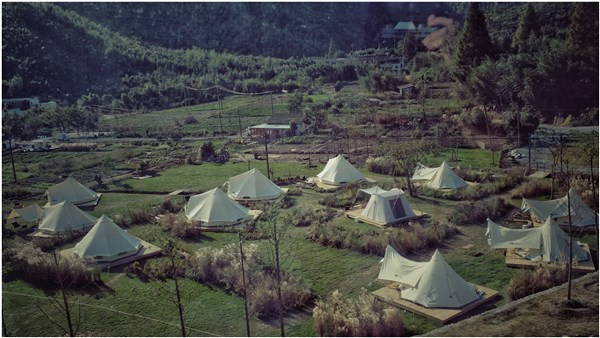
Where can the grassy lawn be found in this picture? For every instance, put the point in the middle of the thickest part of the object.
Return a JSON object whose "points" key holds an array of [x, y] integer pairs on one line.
{"points": [[207, 176], [211, 310], [252, 111], [467, 157]]}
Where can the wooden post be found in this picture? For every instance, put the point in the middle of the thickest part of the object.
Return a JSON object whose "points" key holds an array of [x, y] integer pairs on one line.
{"points": [[267, 154]]}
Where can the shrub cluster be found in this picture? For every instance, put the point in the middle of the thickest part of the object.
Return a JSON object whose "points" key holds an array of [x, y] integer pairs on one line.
{"points": [[30, 263], [476, 192], [302, 216], [285, 202], [344, 197], [14, 193], [474, 176], [525, 283], [78, 147], [532, 189], [383, 165], [412, 238], [178, 226], [167, 206], [161, 269], [478, 211], [141, 216], [336, 316], [221, 268], [289, 180]]}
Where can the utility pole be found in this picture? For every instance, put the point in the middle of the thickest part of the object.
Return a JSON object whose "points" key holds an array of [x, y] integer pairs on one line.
{"points": [[220, 109], [244, 284], [518, 128], [529, 149], [267, 154], [239, 122], [570, 231], [278, 271], [12, 159], [487, 124]]}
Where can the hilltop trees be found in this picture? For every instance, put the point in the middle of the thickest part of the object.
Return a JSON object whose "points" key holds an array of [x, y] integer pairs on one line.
{"points": [[474, 42], [528, 24], [583, 31]]}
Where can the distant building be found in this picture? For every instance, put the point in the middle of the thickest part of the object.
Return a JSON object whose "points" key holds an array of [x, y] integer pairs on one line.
{"points": [[406, 90], [21, 106], [403, 27], [277, 126]]}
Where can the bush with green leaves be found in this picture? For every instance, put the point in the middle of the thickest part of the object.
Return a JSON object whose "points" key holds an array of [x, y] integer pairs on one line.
{"points": [[302, 215], [533, 188]]}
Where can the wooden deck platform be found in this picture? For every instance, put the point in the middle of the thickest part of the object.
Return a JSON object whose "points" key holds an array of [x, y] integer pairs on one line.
{"points": [[148, 250], [540, 174], [356, 214], [391, 295], [513, 260]]}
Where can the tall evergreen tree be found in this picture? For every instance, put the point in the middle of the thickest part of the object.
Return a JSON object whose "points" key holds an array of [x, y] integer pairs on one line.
{"points": [[583, 31], [409, 46], [528, 24], [474, 42]]}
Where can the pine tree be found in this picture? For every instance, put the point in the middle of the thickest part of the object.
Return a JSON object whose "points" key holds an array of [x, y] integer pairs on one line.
{"points": [[474, 42], [409, 46], [583, 31], [332, 51], [528, 24]]}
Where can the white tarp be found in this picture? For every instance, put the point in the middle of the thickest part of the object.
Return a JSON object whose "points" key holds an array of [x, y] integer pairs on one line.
{"points": [[253, 185], [547, 243], [29, 213], [388, 207], [339, 171], [72, 191], [423, 173], [442, 177], [106, 241], [581, 214], [214, 208], [373, 190], [64, 217], [432, 284]]}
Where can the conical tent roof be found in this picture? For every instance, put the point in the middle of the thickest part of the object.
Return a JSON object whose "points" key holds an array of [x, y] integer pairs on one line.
{"points": [[445, 178], [388, 207], [72, 191], [64, 217], [581, 214], [214, 208], [29, 213], [339, 171], [432, 284], [548, 242], [106, 239], [253, 185], [423, 173], [373, 190]]}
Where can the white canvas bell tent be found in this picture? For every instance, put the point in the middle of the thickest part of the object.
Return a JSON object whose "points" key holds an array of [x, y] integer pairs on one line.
{"points": [[64, 217], [372, 190], [107, 242], [547, 243], [388, 207], [338, 171], [581, 214], [442, 177], [432, 284], [72, 191], [29, 214], [214, 209], [254, 186]]}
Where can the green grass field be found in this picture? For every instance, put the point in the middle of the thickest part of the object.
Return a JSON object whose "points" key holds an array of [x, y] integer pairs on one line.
{"points": [[467, 158], [116, 311], [207, 176]]}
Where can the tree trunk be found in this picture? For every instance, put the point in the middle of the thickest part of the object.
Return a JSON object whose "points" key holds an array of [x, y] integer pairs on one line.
{"points": [[12, 159], [570, 235], [278, 275], [64, 296], [244, 287], [410, 187], [179, 305]]}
